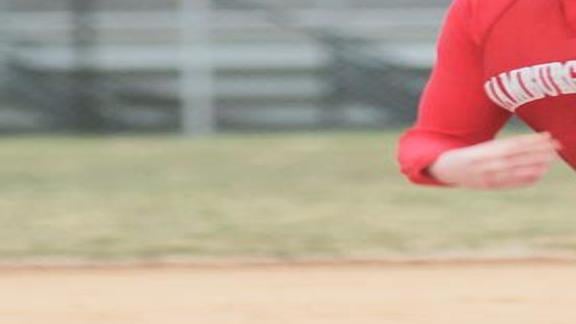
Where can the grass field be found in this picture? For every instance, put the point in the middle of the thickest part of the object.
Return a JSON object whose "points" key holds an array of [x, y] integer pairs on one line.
{"points": [[284, 196]]}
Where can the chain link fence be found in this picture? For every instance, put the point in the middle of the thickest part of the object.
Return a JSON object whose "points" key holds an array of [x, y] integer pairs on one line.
{"points": [[106, 66]]}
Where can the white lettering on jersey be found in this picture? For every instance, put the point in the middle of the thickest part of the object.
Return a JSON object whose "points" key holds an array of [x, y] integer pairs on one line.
{"points": [[515, 88]]}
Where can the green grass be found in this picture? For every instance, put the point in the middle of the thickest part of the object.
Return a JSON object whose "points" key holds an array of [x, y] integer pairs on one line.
{"points": [[286, 196]]}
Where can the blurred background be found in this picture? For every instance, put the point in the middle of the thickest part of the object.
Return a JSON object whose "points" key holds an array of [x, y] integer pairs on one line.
{"points": [[236, 128], [209, 65]]}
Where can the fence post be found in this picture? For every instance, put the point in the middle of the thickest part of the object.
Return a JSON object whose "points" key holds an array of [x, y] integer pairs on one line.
{"points": [[4, 42], [196, 76], [84, 99]]}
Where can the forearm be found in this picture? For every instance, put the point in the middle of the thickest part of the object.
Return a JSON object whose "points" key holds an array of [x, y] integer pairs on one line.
{"points": [[514, 162], [418, 150]]}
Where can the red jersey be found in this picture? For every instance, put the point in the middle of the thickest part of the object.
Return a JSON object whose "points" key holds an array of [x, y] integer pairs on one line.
{"points": [[495, 59]]}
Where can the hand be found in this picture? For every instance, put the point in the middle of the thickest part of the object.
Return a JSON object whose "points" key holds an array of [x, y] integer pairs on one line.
{"points": [[498, 164]]}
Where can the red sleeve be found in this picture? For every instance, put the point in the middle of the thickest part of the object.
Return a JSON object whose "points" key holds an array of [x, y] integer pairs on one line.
{"points": [[454, 111]]}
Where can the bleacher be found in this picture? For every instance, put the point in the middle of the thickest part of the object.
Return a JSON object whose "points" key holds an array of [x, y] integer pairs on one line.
{"points": [[130, 5], [264, 73]]}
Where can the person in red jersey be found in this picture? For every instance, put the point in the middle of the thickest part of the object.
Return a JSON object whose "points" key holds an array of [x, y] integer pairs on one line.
{"points": [[496, 59]]}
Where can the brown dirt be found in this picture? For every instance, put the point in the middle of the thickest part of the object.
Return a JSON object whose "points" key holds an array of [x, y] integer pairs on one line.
{"points": [[320, 294]]}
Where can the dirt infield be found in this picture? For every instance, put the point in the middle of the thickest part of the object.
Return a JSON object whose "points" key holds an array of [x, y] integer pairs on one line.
{"points": [[361, 294]]}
